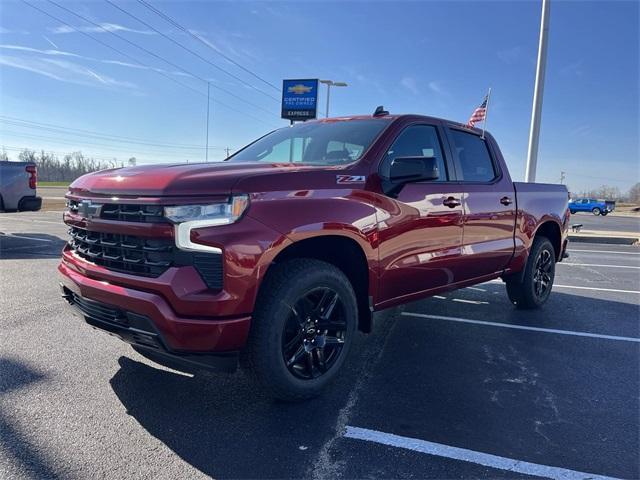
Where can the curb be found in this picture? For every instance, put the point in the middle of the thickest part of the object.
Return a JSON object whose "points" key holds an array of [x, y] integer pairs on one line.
{"points": [[609, 240]]}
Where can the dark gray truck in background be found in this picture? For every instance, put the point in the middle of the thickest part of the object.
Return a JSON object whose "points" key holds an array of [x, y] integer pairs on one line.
{"points": [[18, 182]]}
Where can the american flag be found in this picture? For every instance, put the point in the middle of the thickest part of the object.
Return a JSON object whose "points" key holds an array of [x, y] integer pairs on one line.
{"points": [[480, 113]]}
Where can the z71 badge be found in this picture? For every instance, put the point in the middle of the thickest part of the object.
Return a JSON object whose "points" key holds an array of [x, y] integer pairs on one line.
{"points": [[349, 179]]}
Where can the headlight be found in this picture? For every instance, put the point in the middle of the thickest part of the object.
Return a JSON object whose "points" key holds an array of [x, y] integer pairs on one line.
{"points": [[215, 214], [188, 217]]}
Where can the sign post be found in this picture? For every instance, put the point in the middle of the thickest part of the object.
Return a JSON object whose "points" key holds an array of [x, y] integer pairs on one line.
{"points": [[299, 99]]}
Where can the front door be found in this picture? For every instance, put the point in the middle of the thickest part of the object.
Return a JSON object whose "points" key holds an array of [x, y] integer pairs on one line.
{"points": [[420, 228]]}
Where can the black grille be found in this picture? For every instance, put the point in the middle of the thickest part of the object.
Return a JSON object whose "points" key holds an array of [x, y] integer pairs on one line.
{"points": [[97, 310], [143, 256], [210, 269], [125, 212], [123, 253], [131, 327]]}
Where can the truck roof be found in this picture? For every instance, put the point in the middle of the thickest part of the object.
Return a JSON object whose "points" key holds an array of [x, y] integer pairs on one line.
{"points": [[395, 116]]}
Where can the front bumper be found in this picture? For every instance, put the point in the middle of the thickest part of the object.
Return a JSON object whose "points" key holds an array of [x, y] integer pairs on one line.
{"points": [[180, 335], [141, 333]]}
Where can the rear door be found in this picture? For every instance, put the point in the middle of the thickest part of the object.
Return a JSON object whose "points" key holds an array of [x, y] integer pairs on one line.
{"points": [[489, 203], [420, 228]]}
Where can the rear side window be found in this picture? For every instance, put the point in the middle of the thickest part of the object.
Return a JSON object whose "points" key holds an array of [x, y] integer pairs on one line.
{"points": [[416, 141], [473, 159]]}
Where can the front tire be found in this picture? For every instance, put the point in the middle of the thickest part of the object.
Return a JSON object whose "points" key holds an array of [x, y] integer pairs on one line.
{"points": [[302, 329], [596, 211], [534, 289]]}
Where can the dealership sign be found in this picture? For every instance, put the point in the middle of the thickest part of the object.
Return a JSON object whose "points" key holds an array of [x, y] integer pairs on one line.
{"points": [[299, 99]]}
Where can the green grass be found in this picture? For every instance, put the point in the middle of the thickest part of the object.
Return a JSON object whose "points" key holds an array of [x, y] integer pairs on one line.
{"points": [[53, 184]]}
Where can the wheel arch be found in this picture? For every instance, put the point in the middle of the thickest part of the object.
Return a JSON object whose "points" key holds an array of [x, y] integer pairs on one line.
{"points": [[551, 230], [343, 252]]}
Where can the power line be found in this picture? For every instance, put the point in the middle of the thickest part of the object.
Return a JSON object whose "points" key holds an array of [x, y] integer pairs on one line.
{"points": [[141, 63], [207, 44], [196, 54], [101, 136], [168, 62], [102, 146], [112, 48]]}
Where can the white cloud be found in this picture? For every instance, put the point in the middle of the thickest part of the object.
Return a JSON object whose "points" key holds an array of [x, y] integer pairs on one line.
{"points": [[37, 50], [64, 71], [62, 53], [410, 84], [4, 30], [437, 88], [104, 27], [50, 42]]}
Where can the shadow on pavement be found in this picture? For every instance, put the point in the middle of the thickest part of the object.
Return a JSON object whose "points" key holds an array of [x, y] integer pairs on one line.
{"points": [[226, 429], [15, 375], [30, 245]]}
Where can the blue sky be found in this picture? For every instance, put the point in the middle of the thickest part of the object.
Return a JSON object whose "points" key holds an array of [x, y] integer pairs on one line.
{"points": [[436, 58]]}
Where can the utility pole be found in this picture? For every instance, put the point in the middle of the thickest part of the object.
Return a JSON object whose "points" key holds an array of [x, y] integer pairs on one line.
{"points": [[329, 84], [563, 175], [534, 132], [227, 150], [206, 158]]}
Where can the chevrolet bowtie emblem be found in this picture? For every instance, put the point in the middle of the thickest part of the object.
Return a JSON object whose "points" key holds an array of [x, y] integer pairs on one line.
{"points": [[88, 209], [299, 89]]}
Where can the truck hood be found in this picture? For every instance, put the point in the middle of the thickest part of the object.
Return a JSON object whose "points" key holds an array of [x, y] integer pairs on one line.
{"points": [[177, 180]]}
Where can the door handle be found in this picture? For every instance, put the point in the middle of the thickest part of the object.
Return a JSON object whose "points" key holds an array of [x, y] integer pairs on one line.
{"points": [[506, 201], [451, 202]]}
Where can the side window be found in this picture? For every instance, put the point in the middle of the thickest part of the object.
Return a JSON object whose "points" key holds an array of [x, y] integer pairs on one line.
{"points": [[416, 141], [474, 162]]}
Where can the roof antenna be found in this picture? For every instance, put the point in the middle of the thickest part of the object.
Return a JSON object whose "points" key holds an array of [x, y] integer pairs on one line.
{"points": [[380, 112]]}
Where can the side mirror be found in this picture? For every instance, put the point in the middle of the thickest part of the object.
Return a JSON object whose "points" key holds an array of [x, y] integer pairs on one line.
{"points": [[405, 170], [413, 169]]}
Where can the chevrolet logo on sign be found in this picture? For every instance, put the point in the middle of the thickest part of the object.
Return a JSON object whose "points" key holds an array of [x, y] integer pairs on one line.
{"points": [[299, 89], [88, 209]]}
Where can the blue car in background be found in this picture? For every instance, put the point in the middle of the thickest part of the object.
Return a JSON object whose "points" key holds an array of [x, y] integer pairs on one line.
{"points": [[597, 207]]}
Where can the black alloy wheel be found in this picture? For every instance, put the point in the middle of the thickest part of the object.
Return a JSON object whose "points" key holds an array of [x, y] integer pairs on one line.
{"points": [[531, 288], [314, 334], [543, 274]]}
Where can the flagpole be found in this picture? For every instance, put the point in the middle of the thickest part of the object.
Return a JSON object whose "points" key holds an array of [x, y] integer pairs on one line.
{"points": [[486, 113]]}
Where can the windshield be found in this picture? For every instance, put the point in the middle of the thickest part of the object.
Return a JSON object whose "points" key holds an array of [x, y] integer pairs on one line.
{"points": [[333, 143]]}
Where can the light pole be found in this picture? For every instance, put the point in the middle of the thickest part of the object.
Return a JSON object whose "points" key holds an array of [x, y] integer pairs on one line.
{"points": [[206, 158], [329, 84], [536, 114]]}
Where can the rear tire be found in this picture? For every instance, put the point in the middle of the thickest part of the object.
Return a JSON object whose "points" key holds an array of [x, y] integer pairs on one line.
{"points": [[534, 289], [596, 211], [302, 329], [604, 213], [573, 212]]}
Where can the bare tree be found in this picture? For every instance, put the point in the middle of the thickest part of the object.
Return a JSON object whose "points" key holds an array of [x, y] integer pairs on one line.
{"points": [[634, 193]]}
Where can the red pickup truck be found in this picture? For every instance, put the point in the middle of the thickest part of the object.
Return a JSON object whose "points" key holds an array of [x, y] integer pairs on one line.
{"points": [[274, 258]]}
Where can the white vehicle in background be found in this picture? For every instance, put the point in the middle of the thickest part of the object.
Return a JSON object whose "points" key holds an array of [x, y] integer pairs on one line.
{"points": [[18, 182]]}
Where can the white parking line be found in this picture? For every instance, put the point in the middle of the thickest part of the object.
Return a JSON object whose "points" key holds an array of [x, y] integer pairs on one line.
{"points": [[614, 290], [567, 264], [476, 289], [574, 287], [474, 302], [604, 251], [522, 327], [471, 456], [24, 238]]}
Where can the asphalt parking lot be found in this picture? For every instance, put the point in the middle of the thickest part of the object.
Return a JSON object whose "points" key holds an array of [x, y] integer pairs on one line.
{"points": [[612, 223], [456, 386]]}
